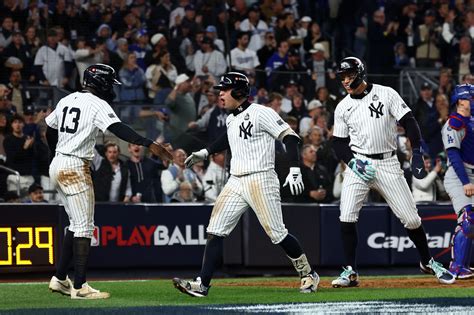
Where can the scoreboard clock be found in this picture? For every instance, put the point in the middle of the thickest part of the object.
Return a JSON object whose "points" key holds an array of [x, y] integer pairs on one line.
{"points": [[29, 237]]}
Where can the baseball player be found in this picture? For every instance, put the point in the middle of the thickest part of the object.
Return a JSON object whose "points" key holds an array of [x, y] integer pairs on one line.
{"points": [[458, 139], [365, 130], [72, 130], [251, 133]]}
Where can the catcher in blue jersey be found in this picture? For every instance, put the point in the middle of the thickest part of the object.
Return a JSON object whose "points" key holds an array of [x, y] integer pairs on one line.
{"points": [[458, 139]]}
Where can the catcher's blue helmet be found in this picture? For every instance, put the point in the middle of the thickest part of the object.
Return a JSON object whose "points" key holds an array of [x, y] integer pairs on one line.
{"points": [[462, 92]]}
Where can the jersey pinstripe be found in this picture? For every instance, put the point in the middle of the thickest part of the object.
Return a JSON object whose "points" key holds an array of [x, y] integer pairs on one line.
{"points": [[251, 137], [78, 118], [370, 122]]}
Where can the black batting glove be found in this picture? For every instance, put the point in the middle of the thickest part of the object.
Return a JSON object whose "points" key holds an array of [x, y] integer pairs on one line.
{"points": [[418, 164]]}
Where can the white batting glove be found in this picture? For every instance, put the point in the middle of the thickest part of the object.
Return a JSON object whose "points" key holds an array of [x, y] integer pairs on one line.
{"points": [[195, 157], [295, 180]]}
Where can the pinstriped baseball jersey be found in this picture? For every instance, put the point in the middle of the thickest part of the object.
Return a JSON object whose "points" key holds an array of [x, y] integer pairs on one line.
{"points": [[78, 118], [251, 137], [371, 121], [253, 182]]}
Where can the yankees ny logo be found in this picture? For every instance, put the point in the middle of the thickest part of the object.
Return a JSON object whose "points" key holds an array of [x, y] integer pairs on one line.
{"points": [[377, 110], [246, 130]]}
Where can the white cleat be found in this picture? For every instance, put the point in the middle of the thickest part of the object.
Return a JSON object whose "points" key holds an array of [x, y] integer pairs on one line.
{"points": [[60, 286], [348, 278], [309, 283], [88, 293]]}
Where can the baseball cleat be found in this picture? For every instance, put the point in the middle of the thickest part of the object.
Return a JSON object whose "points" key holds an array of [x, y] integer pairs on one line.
{"points": [[462, 273], [194, 287], [60, 286], [348, 278], [435, 268], [88, 293], [309, 283]]}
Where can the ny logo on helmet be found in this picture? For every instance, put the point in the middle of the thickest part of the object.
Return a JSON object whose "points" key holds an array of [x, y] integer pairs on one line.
{"points": [[246, 131]]}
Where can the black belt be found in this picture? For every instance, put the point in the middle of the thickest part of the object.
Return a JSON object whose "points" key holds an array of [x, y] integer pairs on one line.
{"points": [[379, 156]]}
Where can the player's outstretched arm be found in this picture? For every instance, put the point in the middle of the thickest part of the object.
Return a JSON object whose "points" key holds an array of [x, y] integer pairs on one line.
{"points": [[126, 133], [219, 145], [413, 133], [294, 178], [52, 138]]}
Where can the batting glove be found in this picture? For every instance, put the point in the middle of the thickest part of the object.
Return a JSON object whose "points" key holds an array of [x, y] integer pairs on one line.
{"points": [[418, 164], [295, 180], [363, 169], [195, 157]]}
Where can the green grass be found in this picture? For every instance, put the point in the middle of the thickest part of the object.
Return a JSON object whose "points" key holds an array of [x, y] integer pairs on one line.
{"points": [[162, 292]]}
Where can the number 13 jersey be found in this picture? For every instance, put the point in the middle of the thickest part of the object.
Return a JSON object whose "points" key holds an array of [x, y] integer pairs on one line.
{"points": [[78, 118]]}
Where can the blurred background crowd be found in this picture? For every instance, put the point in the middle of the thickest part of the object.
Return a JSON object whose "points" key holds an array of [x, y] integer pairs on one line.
{"points": [[168, 55]]}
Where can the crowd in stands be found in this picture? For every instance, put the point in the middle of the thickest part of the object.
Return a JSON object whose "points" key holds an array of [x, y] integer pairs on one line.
{"points": [[168, 55]]}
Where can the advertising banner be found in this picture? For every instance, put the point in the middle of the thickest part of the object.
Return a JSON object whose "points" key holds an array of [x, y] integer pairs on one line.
{"points": [[149, 235], [372, 220], [439, 221], [302, 221]]}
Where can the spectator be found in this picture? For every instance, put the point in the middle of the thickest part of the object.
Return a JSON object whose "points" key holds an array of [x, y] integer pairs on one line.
{"points": [[322, 74], [426, 189], [242, 57], [11, 197], [315, 36], [275, 102], [442, 106], [427, 117], [278, 58], [303, 26], [254, 26], [208, 61], [19, 50], [133, 80], [291, 89], [53, 62], [324, 150], [213, 120], [160, 75], [6, 31], [446, 83], [159, 43], [317, 185], [315, 108], [464, 61], [184, 193], [329, 101], [215, 177], [293, 70], [338, 179], [87, 54], [3, 133], [181, 106], [141, 47], [177, 173], [19, 95], [211, 32], [288, 31], [298, 108], [144, 173], [33, 44], [110, 176], [402, 60], [118, 57], [264, 54], [20, 154], [427, 38], [6, 106], [35, 194]]}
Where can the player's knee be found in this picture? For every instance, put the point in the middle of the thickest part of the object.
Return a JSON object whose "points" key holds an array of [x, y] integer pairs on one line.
{"points": [[211, 236], [412, 223]]}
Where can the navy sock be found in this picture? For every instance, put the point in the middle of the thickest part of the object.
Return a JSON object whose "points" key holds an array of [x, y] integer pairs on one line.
{"points": [[81, 255], [212, 258], [418, 237], [66, 256], [349, 242], [291, 246]]}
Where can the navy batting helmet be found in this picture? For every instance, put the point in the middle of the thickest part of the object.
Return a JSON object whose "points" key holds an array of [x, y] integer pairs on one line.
{"points": [[352, 66], [101, 78], [238, 82], [462, 92]]}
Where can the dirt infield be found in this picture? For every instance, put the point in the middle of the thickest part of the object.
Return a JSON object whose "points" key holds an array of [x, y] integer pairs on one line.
{"points": [[401, 282]]}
